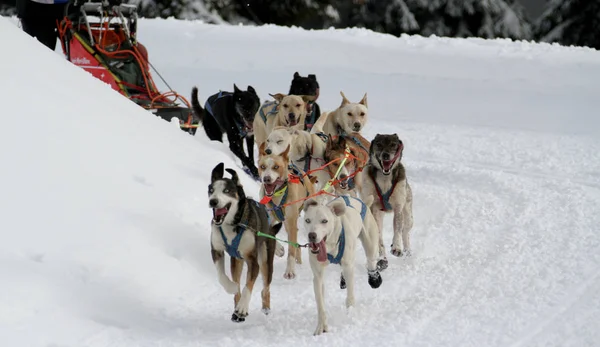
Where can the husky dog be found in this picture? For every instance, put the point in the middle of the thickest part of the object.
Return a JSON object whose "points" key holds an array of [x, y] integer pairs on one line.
{"points": [[348, 118], [332, 231], [385, 178], [286, 110], [236, 220], [233, 114], [280, 187], [306, 150], [307, 86]]}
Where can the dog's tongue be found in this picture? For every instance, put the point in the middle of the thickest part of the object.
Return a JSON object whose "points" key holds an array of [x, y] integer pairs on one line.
{"points": [[269, 188], [387, 164], [322, 255], [220, 211]]}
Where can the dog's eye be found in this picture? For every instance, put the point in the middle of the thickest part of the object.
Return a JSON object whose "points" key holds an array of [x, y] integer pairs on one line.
{"points": [[275, 167], [350, 113], [285, 106], [324, 221], [226, 191], [297, 105], [362, 114], [262, 167], [210, 190], [307, 220], [279, 142]]}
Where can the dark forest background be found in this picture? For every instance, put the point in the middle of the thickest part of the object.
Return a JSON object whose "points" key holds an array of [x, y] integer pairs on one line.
{"points": [[568, 22]]}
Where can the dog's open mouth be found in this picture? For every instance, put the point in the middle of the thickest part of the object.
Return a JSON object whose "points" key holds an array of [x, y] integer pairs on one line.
{"points": [[319, 249], [220, 213], [344, 184], [270, 188], [293, 122], [386, 166]]}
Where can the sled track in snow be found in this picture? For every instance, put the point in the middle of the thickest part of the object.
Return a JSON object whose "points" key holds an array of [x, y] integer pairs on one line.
{"points": [[488, 239]]}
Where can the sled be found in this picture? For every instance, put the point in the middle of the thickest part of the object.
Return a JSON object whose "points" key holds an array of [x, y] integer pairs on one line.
{"points": [[100, 37]]}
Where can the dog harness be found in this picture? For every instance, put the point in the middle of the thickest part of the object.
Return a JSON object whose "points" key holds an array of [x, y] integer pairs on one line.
{"points": [[208, 107], [273, 110], [342, 133], [342, 240], [233, 248], [384, 198], [310, 121], [308, 157]]}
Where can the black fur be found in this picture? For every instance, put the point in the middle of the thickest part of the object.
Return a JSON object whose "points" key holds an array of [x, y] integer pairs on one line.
{"points": [[230, 112], [387, 144], [307, 86]]}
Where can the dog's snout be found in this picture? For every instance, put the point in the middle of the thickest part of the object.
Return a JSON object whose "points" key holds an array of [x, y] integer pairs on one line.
{"points": [[213, 202], [385, 156], [343, 176], [312, 236], [292, 115], [357, 125], [268, 151], [267, 179]]}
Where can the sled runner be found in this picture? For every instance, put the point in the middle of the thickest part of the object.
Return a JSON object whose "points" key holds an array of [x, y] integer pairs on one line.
{"points": [[100, 37]]}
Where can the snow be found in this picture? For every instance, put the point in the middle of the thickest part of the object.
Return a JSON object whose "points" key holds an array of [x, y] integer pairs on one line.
{"points": [[105, 225]]}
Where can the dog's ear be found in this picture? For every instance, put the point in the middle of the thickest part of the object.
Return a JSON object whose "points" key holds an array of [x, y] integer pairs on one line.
{"points": [[363, 101], [345, 100], [285, 153], [296, 75], [261, 149], [338, 207], [278, 97], [274, 229], [251, 90], [310, 202], [236, 89], [234, 176], [217, 172], [309, 98], [312, 77]]}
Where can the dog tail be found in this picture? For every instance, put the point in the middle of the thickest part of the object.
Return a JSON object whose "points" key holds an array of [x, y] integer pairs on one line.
{"points": [[320, 123], [198, 110]]}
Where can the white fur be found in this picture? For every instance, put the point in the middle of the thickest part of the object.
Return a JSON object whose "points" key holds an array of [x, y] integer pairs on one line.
{"points": [[327, 220], [345, 116]]}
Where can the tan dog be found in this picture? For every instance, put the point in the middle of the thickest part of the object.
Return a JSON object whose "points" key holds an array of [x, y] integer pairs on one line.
{"points": [[348, 118], [279, 187], [285, 110]]}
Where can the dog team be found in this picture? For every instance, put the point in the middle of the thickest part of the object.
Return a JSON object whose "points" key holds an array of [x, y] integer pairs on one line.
{"points": [[311, 162]]}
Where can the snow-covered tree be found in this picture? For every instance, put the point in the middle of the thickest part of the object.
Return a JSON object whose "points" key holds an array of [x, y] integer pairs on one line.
{"points": [[570, 22], [454, 18]]}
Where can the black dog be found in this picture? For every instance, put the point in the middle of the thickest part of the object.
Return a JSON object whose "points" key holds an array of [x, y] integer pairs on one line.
{"points": [[307, 86], [233, 114]]}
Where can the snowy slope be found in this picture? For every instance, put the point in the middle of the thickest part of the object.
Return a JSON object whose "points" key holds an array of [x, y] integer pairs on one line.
{"points": [[106, 227]]}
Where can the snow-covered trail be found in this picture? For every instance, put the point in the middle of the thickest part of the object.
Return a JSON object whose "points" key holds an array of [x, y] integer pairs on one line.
{"points": [[502, 152]]}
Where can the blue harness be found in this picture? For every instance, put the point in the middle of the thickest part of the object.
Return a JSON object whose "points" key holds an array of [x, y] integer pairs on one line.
{"points": [[208, 107], [273, 110], [384, 198], [233, 248], [352, 138], [342, 240]]}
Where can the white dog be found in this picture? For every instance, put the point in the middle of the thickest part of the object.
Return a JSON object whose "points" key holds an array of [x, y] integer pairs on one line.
{"points": [[347, 119], [332, 231]]}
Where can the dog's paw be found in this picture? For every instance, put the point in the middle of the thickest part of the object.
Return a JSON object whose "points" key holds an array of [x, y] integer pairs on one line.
{"points": [[375, 279], [321, 328], [266, 311], [279, 250], [382, 264], [397, 252], [342, 282], [289, 275], [237, 318]]}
